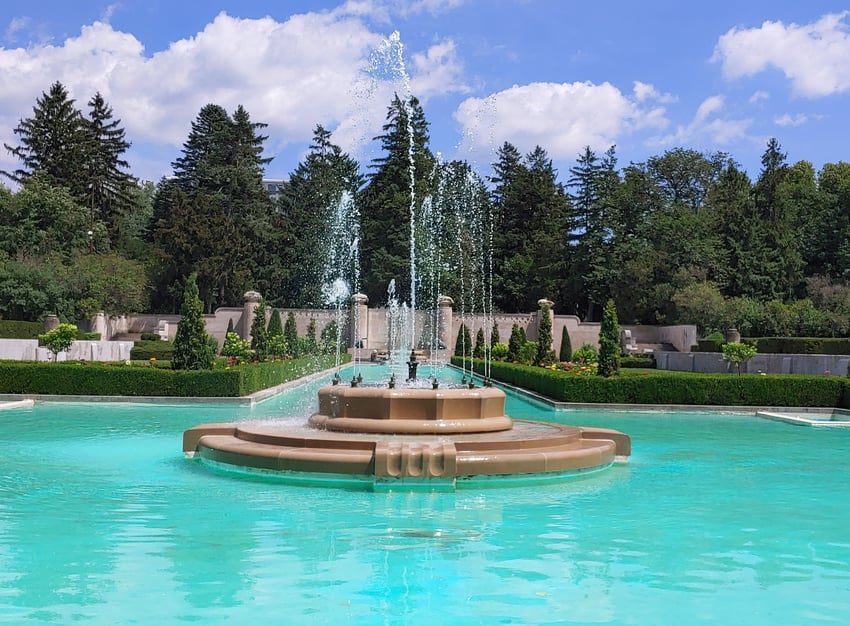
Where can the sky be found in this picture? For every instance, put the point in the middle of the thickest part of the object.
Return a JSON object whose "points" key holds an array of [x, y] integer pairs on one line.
{"points": [[645, 76]]}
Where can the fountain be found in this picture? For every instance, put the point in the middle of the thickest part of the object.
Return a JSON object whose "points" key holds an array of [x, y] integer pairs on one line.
{"points": [[420, 431]]}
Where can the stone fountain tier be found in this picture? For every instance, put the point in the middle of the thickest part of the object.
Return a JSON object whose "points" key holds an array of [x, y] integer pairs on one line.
{"points": [[409, 435], [411, 410]]}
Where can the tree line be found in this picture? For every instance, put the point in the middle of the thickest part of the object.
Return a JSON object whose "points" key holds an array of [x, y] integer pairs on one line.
{"points": [[682, 237]]}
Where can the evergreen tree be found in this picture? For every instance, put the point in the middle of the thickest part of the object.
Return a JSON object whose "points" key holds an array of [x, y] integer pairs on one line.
{"points": [[609, 342], [311, 341], [401, 180], [275, 328], [290, 333], [259, 335], [52, 142], [545, 355], [192, 350], [516, 342], [480, 347], [463, 344], [108, 185], [566, 351], [494, 335], [230, 328]]}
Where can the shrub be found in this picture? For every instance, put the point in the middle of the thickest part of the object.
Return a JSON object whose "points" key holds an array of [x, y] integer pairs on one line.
{"points": [[738, 353], [641, 361], [191, 346], [609, 341], [311, 343], [585, 355], [463, 344], [494, 334], [499, 351], [59, 339], [13, 329], [290, 334], [235, 348], [566, 351], [275, 324], [330, 338], [528, 353], [146, 350], [150, 337], [516, 341], [545, 355], [480, 347], [88, 336], [801, 345], [259, 337]]}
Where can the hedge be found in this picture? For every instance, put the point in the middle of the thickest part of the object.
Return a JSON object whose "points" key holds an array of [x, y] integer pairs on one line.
{"points": [[104, 379], [146, 350], [14, 329], [801, 345], [662, 387]]}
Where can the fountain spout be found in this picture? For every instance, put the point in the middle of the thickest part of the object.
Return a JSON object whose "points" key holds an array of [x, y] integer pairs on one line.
{"points": [[411, 366]]}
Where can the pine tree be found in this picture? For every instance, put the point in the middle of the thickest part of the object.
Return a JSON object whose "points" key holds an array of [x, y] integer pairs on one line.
{"points": [[52, 142], [108, 186], [275, 328], [566, 351], [609, 342], [192, 349], [545, 355], [259, 335], [290, 332]]}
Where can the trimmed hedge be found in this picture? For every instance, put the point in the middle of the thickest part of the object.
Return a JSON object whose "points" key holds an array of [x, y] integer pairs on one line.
{"points": [[75, 379], [638, 361], [14, 329], [146, 350], [801, 345], [662, 387]]}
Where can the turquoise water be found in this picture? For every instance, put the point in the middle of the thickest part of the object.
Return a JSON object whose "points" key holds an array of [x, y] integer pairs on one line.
{"points": [[717, 519]]}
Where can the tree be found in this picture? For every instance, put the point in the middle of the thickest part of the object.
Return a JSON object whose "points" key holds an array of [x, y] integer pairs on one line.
{"points": [[275, 327], [109, 187], [738, 353], [545, 355], [609, 342], [52, 142], [494, 335], [259, 336], [311, 342], [566, 351], [290, 332], [480, 347], [516, 342], [463, 344], [192, 349], [59, 339], [394, 194]]}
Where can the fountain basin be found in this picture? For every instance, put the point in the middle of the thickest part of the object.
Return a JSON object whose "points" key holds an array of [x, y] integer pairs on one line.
{"points": [[409, 435]]}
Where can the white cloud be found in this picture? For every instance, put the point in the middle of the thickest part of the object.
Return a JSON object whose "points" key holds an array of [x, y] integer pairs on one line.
{"points": [[16, 25], [277, 70], [814, 57], [645, 91], [707, 127], [562, 117], [797, 119], [758, 96]]}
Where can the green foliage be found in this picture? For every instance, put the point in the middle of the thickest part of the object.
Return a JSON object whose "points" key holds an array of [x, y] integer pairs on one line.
{"points": [[59, 339], [480, 347], [278, 347], [499, 351], [800, 345], [545, 355], [12, 329], [528, 353], [150, 337], [329, 338], [566, 352], [494, 335], [738, 353], [112, 379], [638, 361], [236, 348], [586, 355], [609, 342], [259, 335], [191, 346], [275, 327], [516, 342], [156, 349], [230, 327], [666, 388], [463, 344], [290, 334], [311, 343]]}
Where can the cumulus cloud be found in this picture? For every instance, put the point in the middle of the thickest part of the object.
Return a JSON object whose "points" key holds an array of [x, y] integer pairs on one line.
{"points": [[562, 117], [292, 75], [707, 127], [645, 91], [814, 57]]}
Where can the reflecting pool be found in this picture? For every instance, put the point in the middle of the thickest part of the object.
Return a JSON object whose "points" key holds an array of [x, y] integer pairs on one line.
{"points": [[716, 519]]}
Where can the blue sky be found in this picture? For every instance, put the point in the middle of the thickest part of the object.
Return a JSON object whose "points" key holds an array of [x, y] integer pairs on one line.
{"points": [[647, 76]]}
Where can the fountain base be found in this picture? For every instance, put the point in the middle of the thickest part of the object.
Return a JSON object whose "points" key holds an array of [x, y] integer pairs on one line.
{"points": [[409, 436]]}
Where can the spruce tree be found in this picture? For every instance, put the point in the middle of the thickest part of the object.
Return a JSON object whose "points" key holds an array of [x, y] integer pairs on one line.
{"points": [[609, 342], [259, 335], [494, 335], [290, 332], [230, 328], [311, 340], [516, 342], [463, 344], [192, 349], [275, 328], [545, 355], [480, 347], [566, 351]]}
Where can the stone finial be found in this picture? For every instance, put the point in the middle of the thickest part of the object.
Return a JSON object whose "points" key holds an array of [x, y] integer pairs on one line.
{"points": [[546, 301], [445, 301], [360, 298], [252, 296]]}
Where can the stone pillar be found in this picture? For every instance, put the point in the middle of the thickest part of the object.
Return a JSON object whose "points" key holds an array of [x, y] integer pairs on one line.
{"points": [[445, 305], [359, 322], [251, 302], [551, 305]]}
